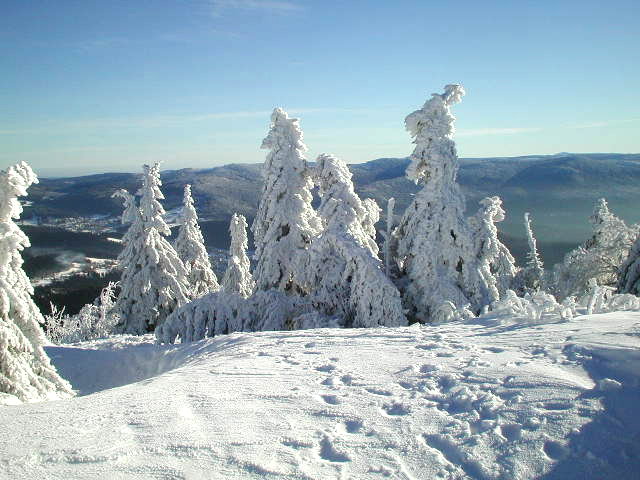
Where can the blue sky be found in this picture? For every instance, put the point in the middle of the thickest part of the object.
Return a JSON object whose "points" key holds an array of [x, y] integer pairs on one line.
{"points": [[91, 86]]}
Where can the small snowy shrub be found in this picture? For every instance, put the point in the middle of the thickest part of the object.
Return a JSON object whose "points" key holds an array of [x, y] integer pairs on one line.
{"points": [[223, 312], [96, 320], [536, 307]]}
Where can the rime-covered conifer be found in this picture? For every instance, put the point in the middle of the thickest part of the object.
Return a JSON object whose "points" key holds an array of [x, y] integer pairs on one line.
{"points": [[494, 267], [285, 223], [388, 237], [153, 281], [432, 235], [190, 247], [599, 258], [629, 273], [343, 273], [533, 273], [26, 373], [237, 278]]}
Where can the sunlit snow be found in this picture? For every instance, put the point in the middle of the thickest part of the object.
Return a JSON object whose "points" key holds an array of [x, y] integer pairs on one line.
{"points": [[461, 400]]}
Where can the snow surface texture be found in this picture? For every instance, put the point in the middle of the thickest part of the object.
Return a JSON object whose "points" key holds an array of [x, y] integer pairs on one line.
{"points": [[25, 371], [190, 248], [493, 399], [285, 223]]}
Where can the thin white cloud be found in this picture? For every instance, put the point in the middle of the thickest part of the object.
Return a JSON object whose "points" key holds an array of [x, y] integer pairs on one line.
{"points": [[159, 121], [268, 6], [478, 132], [603, 124]]}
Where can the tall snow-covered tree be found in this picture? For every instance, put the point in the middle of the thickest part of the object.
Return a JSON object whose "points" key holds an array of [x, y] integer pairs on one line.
{"points": [[285, 223], [190, 247], [26, 373], [388, 237], [154, 279], [343, 272], [237, 278], [533, 272], [494, 267], [432, 237], [629, 273]]}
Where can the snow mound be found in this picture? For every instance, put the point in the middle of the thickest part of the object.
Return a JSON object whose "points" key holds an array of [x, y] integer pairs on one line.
{"points": [[460, 400]]}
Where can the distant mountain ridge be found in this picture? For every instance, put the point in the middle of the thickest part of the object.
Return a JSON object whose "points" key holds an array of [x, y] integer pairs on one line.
{"points": [[559, 190]]}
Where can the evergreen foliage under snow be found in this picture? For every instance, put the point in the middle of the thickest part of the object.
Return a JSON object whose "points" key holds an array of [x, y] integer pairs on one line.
{"points": [[285, 223], [599, 258], [237, 278], [343, 272], [494, 268], [190, 248], [154, 279], [629, 275], [26, 373], [533, 272], [433, 238]]}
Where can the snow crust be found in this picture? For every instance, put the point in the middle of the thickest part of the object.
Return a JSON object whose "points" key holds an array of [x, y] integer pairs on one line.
{"points": [[499, 399]]}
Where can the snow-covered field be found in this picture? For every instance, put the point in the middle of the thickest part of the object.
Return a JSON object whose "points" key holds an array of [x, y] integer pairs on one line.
{"points": [[559, 400]]}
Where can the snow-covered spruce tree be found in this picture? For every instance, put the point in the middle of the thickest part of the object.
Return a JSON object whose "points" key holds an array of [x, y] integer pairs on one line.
{"points": [[533, 272], [494, 266], [599, 258], [190, 247], [285, 223], [237, 278], [432, 236], [153, 281], [629, 273], [388, 237], [343, 273], [26, 373]]}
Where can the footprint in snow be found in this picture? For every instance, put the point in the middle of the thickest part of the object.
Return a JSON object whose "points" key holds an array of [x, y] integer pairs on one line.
{"points": [[353, 426], [326, 368], [376, 391], [555, 450], [395, 409], [329, 452], [511, 431], [331, 399], [494, 349]]}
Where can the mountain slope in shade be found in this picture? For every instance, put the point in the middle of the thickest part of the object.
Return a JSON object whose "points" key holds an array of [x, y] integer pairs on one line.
{"points": [[559, 191]]}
